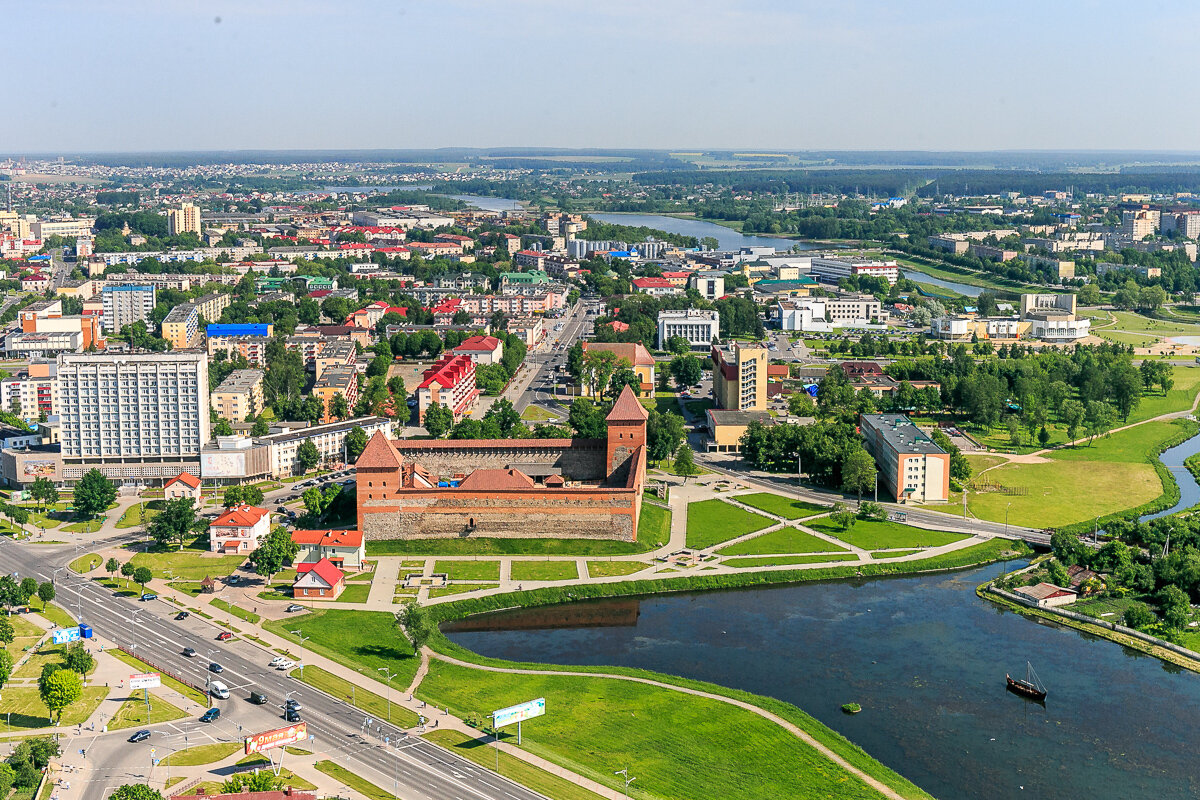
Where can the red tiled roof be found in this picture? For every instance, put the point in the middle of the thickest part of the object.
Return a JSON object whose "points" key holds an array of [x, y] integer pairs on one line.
{"points": [[618, 326], [330, 538], [627, 408], [490, 480], [652, 283], [471, 444], [378, 454], [448, 371], [186, 478], [242, 516], [477, 344], [633, 352], [326, 571]]}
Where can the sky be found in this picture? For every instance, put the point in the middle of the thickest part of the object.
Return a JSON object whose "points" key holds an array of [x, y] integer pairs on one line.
{"points": [[136, 75]]}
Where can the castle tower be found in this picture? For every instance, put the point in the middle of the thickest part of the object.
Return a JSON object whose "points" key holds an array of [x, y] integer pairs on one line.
{"points": [[626, 429], [377, 472]]}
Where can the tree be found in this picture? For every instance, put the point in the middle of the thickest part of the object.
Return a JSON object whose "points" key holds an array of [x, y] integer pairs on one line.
{"points": [[416, 624], [174, 523], [800, 404], [45, 593], [261, 427], [6, 631], [93, 494], [222, 428], [6, 667], [127, 571], [29, 587], [338, 407], [1068, 549], [136, 791], [356, 442], [307, 456], [438, 419], [273, 552], [1099, 417], [686, 370], [587, 419], [252, 495], [43, 491], [258, 781], [59, 689], [1072, 414], [598, 369], [679, 345], [858, 472], [232, 497], [664, 434], [1043, 436], [1139, 615], [1088, 295], [1174, 607], [685, 464], [142, 576], [312, 408], [111, 566], [504, 415], [78, 659], [842, 516], [1125, 386]]}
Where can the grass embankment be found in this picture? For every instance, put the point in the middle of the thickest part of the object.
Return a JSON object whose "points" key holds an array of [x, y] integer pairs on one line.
{"points": [[711, 522], [784, 540], [360, 698], [132, 713], [22, 709], [354, 593], [141, 666], [469, 570], [869, 534], [510, 766], [781, 506], [201, 754], [1116, 471], [25, 634], [229, 608], [610, 569], [459, 588], [776, 561], [544, 571], [355, 638], [57, 617], [85, 563], [349, 779], [189, 564]]}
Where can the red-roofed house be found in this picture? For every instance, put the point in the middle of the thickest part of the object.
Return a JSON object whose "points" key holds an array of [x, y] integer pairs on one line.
{"points": [[320, 580], [239, 529], [513, 243], [432, 249], [464, 242], [656, 287], [618, 326], [678, 278], [443, 312], [630, 355], [482, 349], [369, 317], [185, 484], [450, 382], [343, 548], [530, 259]]}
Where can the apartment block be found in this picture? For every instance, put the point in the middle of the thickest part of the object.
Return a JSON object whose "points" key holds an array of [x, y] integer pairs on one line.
{"points": [[911, 467], [185, 219], [1140, 222], [740, 377], [449, 382], [136, 417], [181, 327], [240, 395], [125, 305], [339, 380], [698, 326], [248, 340], [710, 285], [31, 392]]}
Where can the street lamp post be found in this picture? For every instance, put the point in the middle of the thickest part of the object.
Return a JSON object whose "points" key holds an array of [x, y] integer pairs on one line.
{"points": [[390, 675], [799, 472], [303, 639], [1006, 508], [624, 773]]}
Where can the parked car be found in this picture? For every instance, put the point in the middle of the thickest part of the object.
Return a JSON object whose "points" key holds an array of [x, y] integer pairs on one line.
{"points": [[277, 660], [146, 597], [212, 715], [190, 652], [183, 615], [285, 665], [140, 736], [224, 636], [293, 607], [233, 580], [215, 667]]}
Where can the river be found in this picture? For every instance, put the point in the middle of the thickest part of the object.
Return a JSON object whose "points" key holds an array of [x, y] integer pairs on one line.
{"points": [[926, 659]]}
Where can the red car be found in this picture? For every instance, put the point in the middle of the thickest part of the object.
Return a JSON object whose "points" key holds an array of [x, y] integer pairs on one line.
{"points": [[224, 636]]}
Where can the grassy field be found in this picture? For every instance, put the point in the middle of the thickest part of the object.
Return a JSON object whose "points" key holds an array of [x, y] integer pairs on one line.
{"points": [[1114, 469], [775, 561], [595, 723], [459, 588], [538, 414], [354, 638], [354, 593], [544, 570], [349, 779], [510, 766], [85, 563], [202, 754], [469, 570], [229, 608], [374, 704], [1180, 398], [784, 540], [781, 506], [610, 569], [132, 713], [893, 553], [57, 617], [875, 535], [711, 522], [1099, 606], [188, 564], [134, 516], [141, 666], [27, 710]]}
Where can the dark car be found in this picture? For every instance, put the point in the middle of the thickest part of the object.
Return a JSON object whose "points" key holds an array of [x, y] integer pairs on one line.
{"points": [[291, 716], [293, 607], [183, 615], [215, 667], [281, 508], [148, 597], [190, 652], [140, 736], [293, 706], [258, 698], [224, 636], [211, 715], [233, 580]]}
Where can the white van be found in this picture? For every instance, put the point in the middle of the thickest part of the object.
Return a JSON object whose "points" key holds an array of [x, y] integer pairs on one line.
{"points": [[218, 690]]}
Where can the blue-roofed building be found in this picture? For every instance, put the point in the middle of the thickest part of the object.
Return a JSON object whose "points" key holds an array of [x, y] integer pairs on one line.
{"points": [[245, 329], [125, 305], [248, 340]]}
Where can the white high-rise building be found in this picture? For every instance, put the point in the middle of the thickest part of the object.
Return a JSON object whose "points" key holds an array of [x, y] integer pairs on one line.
{"points": [[125, 305], [136, 418], [696, 325]]}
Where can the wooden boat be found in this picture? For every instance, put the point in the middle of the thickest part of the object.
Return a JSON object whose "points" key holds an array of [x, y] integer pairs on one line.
{"points": [[1030, 686]]}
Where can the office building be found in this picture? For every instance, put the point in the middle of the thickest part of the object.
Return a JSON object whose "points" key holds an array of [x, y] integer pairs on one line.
{"points": [[911, 467], [698, 326], [185, 219], [135, 417], [240, 395], [125, 305], [740, 377], [832, 269]]}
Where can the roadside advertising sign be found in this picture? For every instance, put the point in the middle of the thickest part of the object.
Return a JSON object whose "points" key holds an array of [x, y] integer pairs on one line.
{"points": [[276, 738], [64, 635], [507, 716], [145, 680]]}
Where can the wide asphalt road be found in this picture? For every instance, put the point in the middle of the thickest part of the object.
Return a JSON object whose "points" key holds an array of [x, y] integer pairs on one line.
{"points": [[376, 750]]}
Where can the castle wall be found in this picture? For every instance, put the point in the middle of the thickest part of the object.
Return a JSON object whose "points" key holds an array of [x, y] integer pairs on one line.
{"points": [[581, 460]]}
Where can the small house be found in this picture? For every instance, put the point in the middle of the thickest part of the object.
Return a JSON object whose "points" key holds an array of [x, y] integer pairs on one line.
{"points": [[344, 549], [321, 580], [208, 585], [185, 484], [1047, 595]]}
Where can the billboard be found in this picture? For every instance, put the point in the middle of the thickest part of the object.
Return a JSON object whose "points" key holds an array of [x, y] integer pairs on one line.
{"points": [[507, 716], [276, 738], [39, 469], [64, 635], [223, 464], [145, 680]]}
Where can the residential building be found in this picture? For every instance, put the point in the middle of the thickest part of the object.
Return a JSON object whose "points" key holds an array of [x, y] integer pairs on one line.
{"points": [[725, 428], [954, 243], [125, 305], [31, 392], [482, 349], [1059, 267], [46, 317], [334, 381], [912, 468], [740, 377], [1140, 222], [135, 417], [656, 287], [1184, 222], [990, 253], [240, 395], [699, 326], [449, 382], [239, 529], [832, 269], [529, 330], [321, 580], [330, 441], [631, 355], [249, 340], [185, 219], [181, 327], [185, 485], [344, 549], [132, 257], [210, 306], [710, 285]]}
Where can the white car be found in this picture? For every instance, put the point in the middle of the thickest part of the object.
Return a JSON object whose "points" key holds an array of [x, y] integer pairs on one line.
{"points": [[285, 665], [277, 660]]}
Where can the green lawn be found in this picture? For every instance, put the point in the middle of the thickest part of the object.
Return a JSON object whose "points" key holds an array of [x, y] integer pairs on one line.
{"points": [[892, 553], [460, 588], [593, 725], [469, 570], [872, 534], [25, 634], [775, 561], [522, 772], [353, 781], [188, 564], [355, 638], [57, 617], [29, 712], [711, 522], [1099, 606], [784, 540], [610, 569], [202, 754], [538, 414], [1114, 470], [654, 527], [141, 666], [132, 713], [354, 593], [134, 516], [374, 704], [1154, 403], [544, 570], [87, 526], [86, 563], [781, 506], [229, 608]]}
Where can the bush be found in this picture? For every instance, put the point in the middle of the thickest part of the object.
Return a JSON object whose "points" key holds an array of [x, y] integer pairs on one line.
{"points": [[1139, 616], [870, 510]]}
